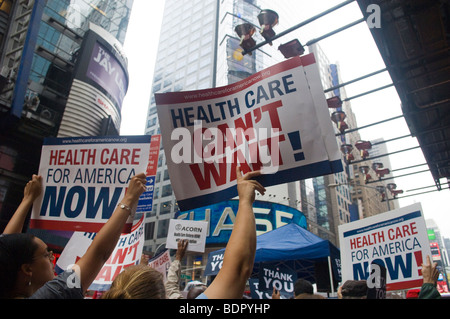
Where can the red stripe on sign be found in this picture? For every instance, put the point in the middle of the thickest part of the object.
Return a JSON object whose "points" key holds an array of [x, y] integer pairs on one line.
{"points": [[404, 285], [208, 94]]}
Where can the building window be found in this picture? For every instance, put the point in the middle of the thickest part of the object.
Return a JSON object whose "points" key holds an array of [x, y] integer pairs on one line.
{"points": [[163, 228], [149, 230]]}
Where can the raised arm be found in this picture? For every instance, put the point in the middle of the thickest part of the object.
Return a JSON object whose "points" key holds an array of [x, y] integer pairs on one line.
{"points": [[240, 251], [106, 239], [32, 191]]}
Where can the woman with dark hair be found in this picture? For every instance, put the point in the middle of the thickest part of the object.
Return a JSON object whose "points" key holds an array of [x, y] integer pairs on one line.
{"points": [[26, 267]]}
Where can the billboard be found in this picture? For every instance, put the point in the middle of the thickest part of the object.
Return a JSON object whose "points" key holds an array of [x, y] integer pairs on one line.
{"points": [[221, 217], [99, 86]]}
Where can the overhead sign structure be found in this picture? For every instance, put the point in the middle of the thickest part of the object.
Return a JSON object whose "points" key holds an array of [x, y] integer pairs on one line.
{"points": [[396, 240], [84, 178], [192, 231], [276, 120]]}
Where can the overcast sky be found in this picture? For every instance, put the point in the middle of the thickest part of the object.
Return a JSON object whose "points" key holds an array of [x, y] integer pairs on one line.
{"points": [[356, 53]]}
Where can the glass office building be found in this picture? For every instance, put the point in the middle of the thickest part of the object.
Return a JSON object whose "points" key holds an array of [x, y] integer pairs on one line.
{"points": [[39, 53]]}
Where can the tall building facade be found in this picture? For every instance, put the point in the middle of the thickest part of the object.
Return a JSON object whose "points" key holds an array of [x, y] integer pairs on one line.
{"points": [[44, 47]]}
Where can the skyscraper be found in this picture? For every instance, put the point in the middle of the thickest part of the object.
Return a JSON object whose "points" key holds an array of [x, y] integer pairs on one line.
{"points": [[41, 60]]}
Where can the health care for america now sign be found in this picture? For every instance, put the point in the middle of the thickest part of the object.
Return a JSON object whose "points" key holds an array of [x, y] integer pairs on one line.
{"points": [[84, 179], [276, 120], [396, 240]]}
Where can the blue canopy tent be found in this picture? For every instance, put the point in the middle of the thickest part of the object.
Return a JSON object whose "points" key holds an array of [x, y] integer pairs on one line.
{"points": [[313, 258]]}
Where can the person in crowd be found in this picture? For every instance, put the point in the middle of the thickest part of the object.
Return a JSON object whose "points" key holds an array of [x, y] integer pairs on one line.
{"points": [[26, 268], [196, 291], [137, 282], [430, 275], [303, 288], [353, 289], [241, 248], [173, 276], [174, 272], [239, 254]]}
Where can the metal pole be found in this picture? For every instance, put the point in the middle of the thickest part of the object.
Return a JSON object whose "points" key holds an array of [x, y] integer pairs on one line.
{"points": [[436, 190], [368, 92], [383, 155], [354, 80], [311, 42], [369, 125], [331, 274], [301, 24], [385, 179]]}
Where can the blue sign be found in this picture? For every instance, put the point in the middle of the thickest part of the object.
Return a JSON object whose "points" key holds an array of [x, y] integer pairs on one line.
{"points": [[146, 200], [221, 217]]}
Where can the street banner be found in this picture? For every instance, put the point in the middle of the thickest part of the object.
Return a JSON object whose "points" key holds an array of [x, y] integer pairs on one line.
{"points": [[276, 120], [193, 231], [127, 252], [161, 263], [396, 240], [255, 293], [280, 277], [84, 178], [214, 263]]}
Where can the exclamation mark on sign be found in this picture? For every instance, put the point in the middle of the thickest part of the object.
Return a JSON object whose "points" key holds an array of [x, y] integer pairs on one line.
{"points": [[419, 261], [296, 143]]}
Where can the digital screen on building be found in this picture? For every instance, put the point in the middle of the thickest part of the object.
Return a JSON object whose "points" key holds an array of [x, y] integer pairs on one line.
{"points": [[105, 70], [221, 217]]}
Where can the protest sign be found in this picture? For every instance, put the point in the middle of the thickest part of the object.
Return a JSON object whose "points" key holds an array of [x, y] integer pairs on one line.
{"points": [[396, 240], [127, 252], [161, 263], [214, 263], [193, 231], [276, 120], [259, 294], [280, 277], [84, 178]]}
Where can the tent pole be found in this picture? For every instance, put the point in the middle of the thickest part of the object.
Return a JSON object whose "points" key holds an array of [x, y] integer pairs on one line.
{"points": [[331, 274]]}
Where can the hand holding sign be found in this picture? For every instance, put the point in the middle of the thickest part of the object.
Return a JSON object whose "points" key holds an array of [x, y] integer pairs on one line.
{"points": [[247, 186], [135, 188], [32, 190], [429, 272]]}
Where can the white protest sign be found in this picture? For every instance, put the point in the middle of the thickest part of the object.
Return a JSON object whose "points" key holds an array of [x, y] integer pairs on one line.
{"points": [[193, 231], [397, 240], [276, 120], [127, 252], [161, 263], [84, 178]]}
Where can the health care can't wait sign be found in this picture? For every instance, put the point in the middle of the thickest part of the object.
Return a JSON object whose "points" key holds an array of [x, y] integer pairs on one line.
{"points": [[396, 240], [84, 179], [276, 120]]}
